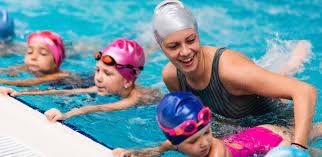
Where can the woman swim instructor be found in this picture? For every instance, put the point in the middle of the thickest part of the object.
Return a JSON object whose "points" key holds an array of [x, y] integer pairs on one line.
{"points": [[225, 80]]}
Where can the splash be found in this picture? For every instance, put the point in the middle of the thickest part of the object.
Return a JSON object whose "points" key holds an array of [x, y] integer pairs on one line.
{"points": [[286, 57]]}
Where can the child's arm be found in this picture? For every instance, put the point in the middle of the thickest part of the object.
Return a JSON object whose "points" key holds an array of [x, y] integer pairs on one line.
{"points": [[36, 81], [54, 114], [218, 149], [58, 92], [17, 67], [147, 152], [11, 92], [120, 152]]}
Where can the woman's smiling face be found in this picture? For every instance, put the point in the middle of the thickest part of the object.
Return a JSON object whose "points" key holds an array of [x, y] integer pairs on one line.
{"points": [[183, 49]]}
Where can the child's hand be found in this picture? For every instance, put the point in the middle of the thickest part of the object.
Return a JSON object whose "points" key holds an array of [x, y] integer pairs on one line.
{"points": [[13, 74], [53, 115], [8, 91], [120, 152]]}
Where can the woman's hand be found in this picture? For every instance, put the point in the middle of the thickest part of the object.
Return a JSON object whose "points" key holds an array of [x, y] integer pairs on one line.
{"points": [[53, 115]]}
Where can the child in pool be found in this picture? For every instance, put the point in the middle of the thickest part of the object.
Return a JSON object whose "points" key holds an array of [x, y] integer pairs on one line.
{"points": [[117, 68], [186, 124], [43, 59]]}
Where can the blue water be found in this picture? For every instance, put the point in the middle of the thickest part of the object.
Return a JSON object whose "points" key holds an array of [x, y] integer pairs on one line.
{"points": [[255, 28]]}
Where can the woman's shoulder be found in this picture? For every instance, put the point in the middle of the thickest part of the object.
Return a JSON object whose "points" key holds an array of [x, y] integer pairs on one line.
{"points": [[211, 51], [233, 56], [169, 69], [169, 72], [230, 61], [169, 77]]}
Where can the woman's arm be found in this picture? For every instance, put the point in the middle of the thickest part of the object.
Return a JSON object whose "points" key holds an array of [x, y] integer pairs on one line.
{"points": [[54, 114], [247, 78], [36, 81]]}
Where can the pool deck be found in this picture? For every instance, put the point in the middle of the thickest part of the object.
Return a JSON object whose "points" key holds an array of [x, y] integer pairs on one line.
{"points": [[31, 128]]}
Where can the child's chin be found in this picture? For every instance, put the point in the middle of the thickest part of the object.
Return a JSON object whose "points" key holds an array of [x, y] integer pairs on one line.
{"points": [[101, 93]]}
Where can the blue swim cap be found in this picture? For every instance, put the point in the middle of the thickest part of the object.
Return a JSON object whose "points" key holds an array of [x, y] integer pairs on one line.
{"points": [[6, 27], [287, 151], [176, 108]]}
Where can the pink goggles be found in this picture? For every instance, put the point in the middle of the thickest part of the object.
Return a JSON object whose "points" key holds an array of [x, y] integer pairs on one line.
{"points": [[189, 127]]}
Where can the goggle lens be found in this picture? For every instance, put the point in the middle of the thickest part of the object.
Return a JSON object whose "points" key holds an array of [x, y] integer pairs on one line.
{"points": [[108, 60], [205, 116], [189, 128]]}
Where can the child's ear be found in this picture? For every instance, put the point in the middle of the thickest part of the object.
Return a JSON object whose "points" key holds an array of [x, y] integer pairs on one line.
{"points": [[127, 83]]}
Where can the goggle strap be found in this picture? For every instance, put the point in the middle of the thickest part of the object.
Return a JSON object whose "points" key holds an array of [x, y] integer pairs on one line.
{"points": [[200, 123], [98, 55], [179, 132]]}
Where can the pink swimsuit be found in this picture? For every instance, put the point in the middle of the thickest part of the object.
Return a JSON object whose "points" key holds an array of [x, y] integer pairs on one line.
{"points": [[255, 140]]}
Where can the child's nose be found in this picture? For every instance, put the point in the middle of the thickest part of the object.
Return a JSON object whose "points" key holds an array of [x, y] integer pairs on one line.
{"points": [[203, 142], [99, 77], [34, 56]]}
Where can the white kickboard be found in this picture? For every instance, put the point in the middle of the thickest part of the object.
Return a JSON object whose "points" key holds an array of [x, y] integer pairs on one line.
{"points": [[31, 132]]}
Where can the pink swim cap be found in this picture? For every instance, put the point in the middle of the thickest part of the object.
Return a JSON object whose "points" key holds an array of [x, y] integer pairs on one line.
{"points": [[126, 52], [53, 41]]}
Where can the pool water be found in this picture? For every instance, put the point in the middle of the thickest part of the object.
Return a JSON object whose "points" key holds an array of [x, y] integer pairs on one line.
{"points": [[255, 28]]}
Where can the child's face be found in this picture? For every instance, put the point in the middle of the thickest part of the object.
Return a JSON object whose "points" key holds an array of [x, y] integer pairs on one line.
{"points": [[199, 144], [39, 60], [108, 80]]}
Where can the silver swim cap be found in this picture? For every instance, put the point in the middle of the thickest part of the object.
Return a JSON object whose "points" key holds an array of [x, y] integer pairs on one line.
{"points": [[171, 16]]}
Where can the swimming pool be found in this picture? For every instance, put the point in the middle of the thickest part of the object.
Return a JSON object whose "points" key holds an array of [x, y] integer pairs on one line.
{"points": [[252, 27]]}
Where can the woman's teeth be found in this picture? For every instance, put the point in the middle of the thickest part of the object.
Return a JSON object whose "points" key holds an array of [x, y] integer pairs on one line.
{"points": [[187, 60]]}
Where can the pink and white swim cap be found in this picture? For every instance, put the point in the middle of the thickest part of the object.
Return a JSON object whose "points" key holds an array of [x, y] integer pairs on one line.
{"points": [[128, 55], [53, 41]]}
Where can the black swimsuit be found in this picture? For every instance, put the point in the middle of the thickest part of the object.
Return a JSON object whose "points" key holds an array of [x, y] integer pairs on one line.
{"points": [[220, 101]]}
